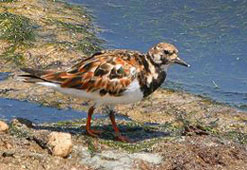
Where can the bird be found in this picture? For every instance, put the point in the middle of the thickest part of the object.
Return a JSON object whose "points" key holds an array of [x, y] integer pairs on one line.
{"points": [[111, 77]]}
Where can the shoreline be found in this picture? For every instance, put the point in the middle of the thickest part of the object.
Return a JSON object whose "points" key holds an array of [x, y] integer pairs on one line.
{"points": [[171, 129]]}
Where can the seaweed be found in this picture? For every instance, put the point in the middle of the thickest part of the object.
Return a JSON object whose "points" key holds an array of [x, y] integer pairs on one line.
{"points": [[15, 28], [18, 31]]}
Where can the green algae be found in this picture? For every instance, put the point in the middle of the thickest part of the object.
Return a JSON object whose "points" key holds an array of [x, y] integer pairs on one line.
{"points": [[236, 136], [18, 131], [18, 31], [7, 1], [15, 28], [75, 123], [133, 147], [91, 147], [89, 43], [11, 56]]}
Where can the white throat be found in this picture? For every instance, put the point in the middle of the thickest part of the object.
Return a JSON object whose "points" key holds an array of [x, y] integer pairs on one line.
{"points": [[165, 67]]}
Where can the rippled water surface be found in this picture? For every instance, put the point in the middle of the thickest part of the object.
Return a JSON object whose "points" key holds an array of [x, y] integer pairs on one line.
{"points": [[10, 109], [211, 35]]}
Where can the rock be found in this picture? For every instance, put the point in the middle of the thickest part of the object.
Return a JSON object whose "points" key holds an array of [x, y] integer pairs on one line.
{"points": [[60, 144], [22, 122], [116, 160], [148, 157], [3, 126]]}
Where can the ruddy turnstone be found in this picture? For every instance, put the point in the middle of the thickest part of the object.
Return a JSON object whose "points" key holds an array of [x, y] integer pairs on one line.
{"points": [[111, 77]]}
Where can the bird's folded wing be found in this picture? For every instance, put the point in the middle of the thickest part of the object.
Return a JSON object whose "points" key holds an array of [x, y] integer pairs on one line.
{"points": [[107, 72]]}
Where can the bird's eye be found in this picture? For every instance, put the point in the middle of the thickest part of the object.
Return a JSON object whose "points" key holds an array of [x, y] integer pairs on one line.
{"points": [[166, 52]]}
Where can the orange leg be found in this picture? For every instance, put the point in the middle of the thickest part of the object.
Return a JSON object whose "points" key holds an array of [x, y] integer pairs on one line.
{"points": [[88, 125], [119, 137]]}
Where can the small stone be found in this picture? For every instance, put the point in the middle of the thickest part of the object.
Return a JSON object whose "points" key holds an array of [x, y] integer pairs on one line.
{"points": [[60, 144], [21, 121], [8, 146], [3, 126]]}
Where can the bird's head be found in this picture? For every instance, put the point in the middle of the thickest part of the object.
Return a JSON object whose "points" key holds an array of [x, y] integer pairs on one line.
{"points": [[165, 54]]}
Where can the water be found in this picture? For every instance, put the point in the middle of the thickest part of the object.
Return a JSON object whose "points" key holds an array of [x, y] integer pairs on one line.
{"points": [[3, 75], [211, 35], [10, 109]]}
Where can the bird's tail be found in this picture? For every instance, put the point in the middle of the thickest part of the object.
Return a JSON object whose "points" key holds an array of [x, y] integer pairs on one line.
{"points": [[32, 76]]}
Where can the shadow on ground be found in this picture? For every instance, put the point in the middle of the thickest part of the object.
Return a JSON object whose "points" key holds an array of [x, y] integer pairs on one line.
{"points": [[136, 133]]}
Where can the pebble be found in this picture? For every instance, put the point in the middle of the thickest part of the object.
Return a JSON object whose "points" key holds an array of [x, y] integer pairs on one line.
{"points": [[60, 144], [3, 126]]}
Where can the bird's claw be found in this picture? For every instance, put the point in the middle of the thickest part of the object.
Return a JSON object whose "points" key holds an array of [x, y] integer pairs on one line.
{"points": [[94, 133]]}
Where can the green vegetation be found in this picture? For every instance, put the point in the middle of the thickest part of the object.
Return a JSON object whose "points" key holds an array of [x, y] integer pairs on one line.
{"points": [[17, 30], [18, 131], [237, 137], [134, 147], [11, 55], [7, 1], [89, 44]]}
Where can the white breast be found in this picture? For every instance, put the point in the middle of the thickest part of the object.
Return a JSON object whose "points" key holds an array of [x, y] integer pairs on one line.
{"points": [[131, 95]]}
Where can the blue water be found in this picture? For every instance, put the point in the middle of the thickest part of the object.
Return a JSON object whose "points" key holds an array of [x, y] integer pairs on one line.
{"points": [[10, 109], [210, 35]]}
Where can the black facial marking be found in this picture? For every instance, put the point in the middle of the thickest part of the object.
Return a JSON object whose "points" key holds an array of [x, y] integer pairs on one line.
{"points": [[166, 52]]}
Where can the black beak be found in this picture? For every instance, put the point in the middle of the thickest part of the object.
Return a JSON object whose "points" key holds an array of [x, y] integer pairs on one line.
{"points": [[181, 62]]}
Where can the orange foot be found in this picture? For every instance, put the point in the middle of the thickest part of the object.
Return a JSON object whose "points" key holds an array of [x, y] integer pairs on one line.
{"points": [[124, 139], [94, 133]]}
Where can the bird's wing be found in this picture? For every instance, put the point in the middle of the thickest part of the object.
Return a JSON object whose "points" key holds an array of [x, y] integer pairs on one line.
{"points": [[107, 72]]}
